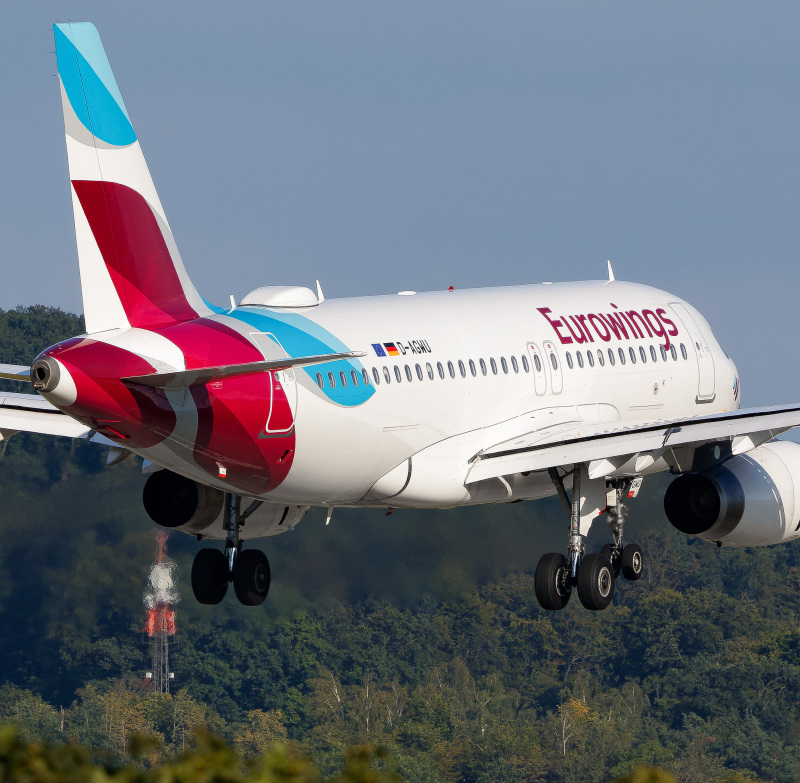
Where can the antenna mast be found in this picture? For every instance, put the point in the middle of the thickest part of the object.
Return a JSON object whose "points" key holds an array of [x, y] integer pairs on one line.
{"points": [[158, 600]]}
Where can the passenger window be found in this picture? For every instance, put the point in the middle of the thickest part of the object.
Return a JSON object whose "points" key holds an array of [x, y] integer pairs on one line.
{"points": [[673, 352], [430, 370], [579, 357], [590, 358], [397, 375], [483, 366], [683, 351], [376, 376], [343, 378], [366, 376], [525, 365], [503, 364], [632, 354], [320, 382], [554, 361], [569, 360], [611, 356], [514, 364], [653, 353], [331, 380], [408, 374], [462, 369], [536, 363], [472, 368], [451, 369], [642, 354], [419, 371], [440, 369], [663, 352], [600, 357], [386, 375], [354, 376], [493, 365], [621, 356]]}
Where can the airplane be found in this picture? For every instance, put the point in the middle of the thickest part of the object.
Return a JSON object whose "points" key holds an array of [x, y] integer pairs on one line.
{"points": [[246, 416]]}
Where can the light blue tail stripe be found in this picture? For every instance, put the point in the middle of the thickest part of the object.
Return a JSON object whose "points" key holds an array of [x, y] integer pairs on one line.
{"points": [[90, 84]]}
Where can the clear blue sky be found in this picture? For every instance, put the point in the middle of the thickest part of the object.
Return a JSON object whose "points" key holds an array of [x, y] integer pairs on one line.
{"points": [[381, 146]]}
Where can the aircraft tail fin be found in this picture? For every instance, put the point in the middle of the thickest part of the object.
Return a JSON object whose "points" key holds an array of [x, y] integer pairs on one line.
{"points": [[131, 271]]}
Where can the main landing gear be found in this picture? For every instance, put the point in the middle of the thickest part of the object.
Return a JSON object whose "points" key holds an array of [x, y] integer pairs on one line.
{"points": [[248, 569], [593, 574]]}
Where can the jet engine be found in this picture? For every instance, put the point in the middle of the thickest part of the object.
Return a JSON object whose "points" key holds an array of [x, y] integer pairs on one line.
{"points": [[171, 500], [750, 500], [174, 501]]}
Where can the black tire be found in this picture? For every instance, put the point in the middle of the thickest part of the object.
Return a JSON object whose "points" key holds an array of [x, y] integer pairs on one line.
{"points": [[251, 577], [209, 576], [595, 581], [612, 553], [632, 562], [552, 589]]}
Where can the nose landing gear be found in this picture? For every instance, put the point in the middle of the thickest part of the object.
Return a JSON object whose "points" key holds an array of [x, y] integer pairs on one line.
{"points": [[593, 575], [248, 569]]}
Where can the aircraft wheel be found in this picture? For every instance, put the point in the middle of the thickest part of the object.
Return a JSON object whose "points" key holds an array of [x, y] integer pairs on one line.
{"points": [[251, 577], [595, 581], [209, 576], [550, 582], [612, 553], [632, 562]]}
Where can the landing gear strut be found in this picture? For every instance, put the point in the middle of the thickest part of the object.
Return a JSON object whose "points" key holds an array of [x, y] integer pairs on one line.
{"points": [[247, 569], [628, 558], [593, 575]]}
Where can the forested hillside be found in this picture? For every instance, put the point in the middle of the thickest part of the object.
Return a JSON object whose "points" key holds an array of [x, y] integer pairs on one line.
{"points": [[418, 632]]}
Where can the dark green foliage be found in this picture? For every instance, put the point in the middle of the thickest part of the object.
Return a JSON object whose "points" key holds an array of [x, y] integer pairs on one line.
{"points": [[26, 331], [212, 761], [417, 632]]}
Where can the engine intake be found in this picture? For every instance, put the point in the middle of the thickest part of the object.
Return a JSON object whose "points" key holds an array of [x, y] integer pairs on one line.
{"points": [[750, 500], [174, 501], [171, 500]]}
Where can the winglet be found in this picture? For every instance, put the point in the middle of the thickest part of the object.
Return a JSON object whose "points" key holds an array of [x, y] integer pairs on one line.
{"points": [[611, 277]]}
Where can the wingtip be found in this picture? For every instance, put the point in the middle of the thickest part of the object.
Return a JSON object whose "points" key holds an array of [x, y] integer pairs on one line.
{"points": [[611, 277]]}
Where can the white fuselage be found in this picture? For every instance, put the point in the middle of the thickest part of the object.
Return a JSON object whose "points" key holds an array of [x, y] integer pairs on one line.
{"points": [[410, 444]]}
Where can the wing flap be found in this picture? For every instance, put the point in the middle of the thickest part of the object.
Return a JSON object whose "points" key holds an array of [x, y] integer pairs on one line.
{"points": [[609, 449], [182, 379]]}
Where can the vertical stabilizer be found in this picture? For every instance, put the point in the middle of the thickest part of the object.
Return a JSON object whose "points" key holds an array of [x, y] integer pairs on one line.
{"points": [[131, 271]]}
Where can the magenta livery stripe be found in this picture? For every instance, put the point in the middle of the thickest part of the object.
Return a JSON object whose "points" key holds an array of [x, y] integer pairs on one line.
{"points": [[134, 251]]}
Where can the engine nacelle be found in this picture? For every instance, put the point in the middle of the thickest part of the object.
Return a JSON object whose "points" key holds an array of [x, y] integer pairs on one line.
{"points": [[171, 500], [174, 501], [750, 500]]}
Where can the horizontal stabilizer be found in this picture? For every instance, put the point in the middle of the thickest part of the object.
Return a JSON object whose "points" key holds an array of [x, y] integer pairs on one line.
{"points": [[182, 379], [15, 372], [32, 413]]}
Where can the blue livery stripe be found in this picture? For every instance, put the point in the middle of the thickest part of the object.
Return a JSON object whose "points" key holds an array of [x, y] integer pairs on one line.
{"points": [[301, 337], [90, 84]]}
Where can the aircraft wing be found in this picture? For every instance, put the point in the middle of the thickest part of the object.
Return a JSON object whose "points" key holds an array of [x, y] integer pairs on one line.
{"points": [[694, 443], [182, 379], [32, 413], [15, 372]]}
